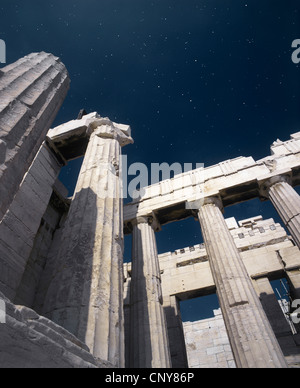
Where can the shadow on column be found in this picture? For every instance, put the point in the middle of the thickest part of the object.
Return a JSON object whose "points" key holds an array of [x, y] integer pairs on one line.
{"points": [[289, 342], [140, 333], [176, 336], [68, 273]]}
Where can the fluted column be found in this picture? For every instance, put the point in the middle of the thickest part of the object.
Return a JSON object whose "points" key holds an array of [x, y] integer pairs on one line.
{"points": [[86, 293], [286, 201], [31, 92], [253, 342], [149, 339]]}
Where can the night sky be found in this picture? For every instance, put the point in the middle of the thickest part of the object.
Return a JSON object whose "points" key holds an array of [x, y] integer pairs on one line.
{"points": [[198, 81]]}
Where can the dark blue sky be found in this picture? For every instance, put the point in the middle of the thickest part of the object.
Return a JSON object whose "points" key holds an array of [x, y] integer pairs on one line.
{"points": [[198, 81]]}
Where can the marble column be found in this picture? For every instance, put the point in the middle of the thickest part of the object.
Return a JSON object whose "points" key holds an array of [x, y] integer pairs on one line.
{"points": [[252, 339], [149, 347], [86, 293], [32, 91], [286, 201]]}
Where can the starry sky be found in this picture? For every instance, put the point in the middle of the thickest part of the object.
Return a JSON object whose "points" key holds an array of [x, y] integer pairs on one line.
{"points": [[199, 81]]}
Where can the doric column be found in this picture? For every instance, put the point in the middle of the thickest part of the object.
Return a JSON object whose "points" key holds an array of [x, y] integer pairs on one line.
{"points": [[86, 293], [286, 201], [149, 339], [31, 92], [253, 342]]}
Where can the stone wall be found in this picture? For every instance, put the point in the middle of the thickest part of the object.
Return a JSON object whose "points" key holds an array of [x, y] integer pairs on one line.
{"points": [[207, 343], [21, 222]]}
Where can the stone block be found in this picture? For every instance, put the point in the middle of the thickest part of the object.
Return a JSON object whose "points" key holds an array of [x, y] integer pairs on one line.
{"points": [[257, 264], [291, 257], [31, 341]]}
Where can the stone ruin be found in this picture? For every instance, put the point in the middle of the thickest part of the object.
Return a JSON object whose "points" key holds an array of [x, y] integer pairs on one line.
{"points": [[67, 298]]}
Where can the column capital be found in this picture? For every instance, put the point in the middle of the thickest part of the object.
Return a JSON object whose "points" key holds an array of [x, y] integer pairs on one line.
{"points": [[217, 201], [107, 129], [214, 200], [265, 185], [149, 219], [90, 125]]}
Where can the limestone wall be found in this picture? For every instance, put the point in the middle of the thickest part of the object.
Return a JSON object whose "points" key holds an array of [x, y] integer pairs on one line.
{"points": [[21, 222], [207, 343], [28, 292]]}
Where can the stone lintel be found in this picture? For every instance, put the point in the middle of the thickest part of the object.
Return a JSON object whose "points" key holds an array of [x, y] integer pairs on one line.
{"points": [[71, 139], [244, 183], [250, 222], [51, 145]]}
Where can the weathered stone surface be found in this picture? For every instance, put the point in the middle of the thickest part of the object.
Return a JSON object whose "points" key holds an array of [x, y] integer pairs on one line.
{"points": [[265, 250], [271, 306], [187, 271], [28, 290], [235, 180], [175, 332], [252, 339], [71, 269], [287, 203], [149, 347], [207, 343], [71, 139], [21, 222], [86, 291], [31, 92], [31, 341]]}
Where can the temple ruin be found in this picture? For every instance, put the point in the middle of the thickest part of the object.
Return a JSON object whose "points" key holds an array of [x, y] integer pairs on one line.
{"points": [[67, 297]]}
